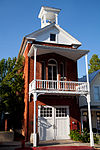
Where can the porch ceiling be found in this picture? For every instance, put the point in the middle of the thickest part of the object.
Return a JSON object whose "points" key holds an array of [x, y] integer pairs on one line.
{"points": [[70, 53]]}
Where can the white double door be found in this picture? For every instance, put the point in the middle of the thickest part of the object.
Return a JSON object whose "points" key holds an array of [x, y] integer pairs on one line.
{"points": [[53, 123]]}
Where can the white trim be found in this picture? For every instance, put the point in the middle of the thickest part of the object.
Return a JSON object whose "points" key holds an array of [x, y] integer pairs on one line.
{"points": [[35, 51], [74, 41], [67, 35], [34, 124], [59, 92], [70, 53], [65, 87]]}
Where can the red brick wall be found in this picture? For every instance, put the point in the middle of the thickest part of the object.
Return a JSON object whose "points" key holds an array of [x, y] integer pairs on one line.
{"points": [[70, 66], [26, 89], [71, 75]]}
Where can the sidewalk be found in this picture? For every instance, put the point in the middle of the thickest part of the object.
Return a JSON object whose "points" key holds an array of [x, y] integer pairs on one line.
{"points": [[66, 143], [50, 145]]}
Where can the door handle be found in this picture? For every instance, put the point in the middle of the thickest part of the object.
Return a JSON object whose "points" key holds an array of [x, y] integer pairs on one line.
{"points": [[54, 127]]}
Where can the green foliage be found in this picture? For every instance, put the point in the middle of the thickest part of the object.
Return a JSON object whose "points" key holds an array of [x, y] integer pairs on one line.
{"points": [[84, 137], [75, 135], [11, 89], [94, 63]]}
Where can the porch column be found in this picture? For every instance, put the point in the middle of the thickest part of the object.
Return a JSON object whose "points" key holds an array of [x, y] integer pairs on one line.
{"points": [[81, 121], [88, 101], [34, 124], [35, 51], [35, 99]]}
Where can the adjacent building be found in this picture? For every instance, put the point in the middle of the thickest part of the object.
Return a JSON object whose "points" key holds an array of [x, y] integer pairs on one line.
{"points": [[94, 79]]}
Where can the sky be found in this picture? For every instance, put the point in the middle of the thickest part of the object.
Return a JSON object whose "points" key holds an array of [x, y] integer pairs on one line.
{"points": [[80, 18]]}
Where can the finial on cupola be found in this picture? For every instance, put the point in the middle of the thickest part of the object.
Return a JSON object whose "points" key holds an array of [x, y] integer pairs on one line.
{"points": [[48, 15]]}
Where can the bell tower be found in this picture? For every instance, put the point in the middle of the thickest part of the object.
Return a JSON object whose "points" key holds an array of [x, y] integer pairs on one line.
{"points": [[48, 15]]}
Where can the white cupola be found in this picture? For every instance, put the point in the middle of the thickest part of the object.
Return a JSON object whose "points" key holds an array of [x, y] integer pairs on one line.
{"points": [[48, 15]]}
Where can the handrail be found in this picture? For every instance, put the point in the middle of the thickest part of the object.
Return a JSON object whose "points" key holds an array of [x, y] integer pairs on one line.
{"points": [[59, 85]]}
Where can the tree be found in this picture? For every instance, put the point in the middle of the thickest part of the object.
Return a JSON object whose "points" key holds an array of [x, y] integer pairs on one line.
{"points": [[94, 63], [11, 90]]}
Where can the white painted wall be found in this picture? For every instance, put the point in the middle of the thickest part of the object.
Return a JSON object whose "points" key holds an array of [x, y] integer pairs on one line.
{"points": [[95, 82], [82, 100], [60, 36]]}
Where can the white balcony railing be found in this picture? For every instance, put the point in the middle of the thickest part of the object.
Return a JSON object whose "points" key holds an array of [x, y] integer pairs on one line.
{"points": [[52, 85]]}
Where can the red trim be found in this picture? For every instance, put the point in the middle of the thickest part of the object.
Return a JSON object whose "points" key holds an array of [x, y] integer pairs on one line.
{"points": [[64, 148], [52, 44], [57, 148]]}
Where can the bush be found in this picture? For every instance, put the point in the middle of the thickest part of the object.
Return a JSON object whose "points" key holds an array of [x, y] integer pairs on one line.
{"points": [[75, 135], [84, 137]]}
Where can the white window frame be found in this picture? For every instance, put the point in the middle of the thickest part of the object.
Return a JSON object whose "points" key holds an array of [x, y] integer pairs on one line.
{"points": [[54, 65], [96, 86]]}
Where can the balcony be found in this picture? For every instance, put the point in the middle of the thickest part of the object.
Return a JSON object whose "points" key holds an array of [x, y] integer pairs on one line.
{"points": [[60, 87]]}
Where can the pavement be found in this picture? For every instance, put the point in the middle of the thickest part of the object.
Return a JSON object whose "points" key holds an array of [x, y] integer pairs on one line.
{"points": [[46, 145]]}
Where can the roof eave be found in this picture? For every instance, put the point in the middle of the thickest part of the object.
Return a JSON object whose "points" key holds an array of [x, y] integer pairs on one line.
{"points": [[73, 54]]}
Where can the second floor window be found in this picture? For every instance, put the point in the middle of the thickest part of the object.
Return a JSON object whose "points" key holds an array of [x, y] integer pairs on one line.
{"points": [[62, 70], [97, 93], [52, 70]]}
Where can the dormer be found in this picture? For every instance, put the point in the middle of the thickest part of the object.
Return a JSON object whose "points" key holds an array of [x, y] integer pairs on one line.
{"points": [[48, 15]]}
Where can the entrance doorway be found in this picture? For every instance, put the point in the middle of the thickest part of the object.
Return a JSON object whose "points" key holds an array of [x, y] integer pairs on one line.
{"points": [[53, 123]]}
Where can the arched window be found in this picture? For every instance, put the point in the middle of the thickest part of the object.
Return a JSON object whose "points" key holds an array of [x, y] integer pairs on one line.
{"points": [[52, 69]]}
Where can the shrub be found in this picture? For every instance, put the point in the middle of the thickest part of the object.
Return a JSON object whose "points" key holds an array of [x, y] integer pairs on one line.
{"points": [[75, 135], [84, 137]]}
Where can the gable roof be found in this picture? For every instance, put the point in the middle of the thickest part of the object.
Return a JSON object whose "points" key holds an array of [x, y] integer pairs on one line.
{"points": [[67, 35], [91, 76]]}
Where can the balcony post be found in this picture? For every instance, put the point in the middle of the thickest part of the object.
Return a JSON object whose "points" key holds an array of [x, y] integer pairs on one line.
{"points": [[35, 51], [35, 99], [88, 101], [82, 121], [34, 124]]}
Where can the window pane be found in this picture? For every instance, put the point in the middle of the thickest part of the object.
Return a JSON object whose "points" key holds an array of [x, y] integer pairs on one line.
{"points": [[45, 112], [49, 73], [43, 70], [96, 93], [52, 37], [54, 73]]}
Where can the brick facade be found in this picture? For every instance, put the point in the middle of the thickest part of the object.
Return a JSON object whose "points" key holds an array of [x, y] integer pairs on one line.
{"points": [[71, 101]]}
